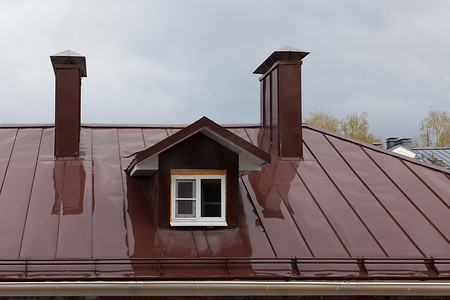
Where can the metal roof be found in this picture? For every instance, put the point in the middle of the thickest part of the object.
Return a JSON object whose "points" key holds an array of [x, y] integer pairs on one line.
{"points": [[437, 156], [346, 210]]}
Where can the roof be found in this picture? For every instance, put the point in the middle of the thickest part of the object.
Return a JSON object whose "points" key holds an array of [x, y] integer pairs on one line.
{"points": [[404, 151], [346, 210], [437, 156]]}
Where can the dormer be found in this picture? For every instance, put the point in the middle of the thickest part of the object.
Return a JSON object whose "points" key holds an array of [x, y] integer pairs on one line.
{"points": [[194, 174]]}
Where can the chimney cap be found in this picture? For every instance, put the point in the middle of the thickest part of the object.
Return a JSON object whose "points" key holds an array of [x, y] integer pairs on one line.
{"points": [[284, 53], [71, 58]]}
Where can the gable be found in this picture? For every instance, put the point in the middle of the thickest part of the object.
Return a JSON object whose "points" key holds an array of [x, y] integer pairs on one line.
{"points": [[251, 157]]}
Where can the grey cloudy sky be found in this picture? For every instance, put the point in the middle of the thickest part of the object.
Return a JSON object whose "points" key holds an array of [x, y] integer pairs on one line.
{"points": [[159, 62]]}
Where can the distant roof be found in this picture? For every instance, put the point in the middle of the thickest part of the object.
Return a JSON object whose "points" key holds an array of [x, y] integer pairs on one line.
{"points": [[345, 210], [437, 156]]}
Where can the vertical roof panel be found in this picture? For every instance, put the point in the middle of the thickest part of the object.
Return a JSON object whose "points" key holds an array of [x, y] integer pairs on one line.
{"points": [[177, 243], [16, 190], [398, 206], [109, 224], [141, 231], [253, 233], [153, 136], [352, 232], [41, 228], [7, 138], [387, 233], [75, 228], [225, 243], [419, 196], [201, 244], [306, 213], [437, 181], [86, 143], [280, 227]]}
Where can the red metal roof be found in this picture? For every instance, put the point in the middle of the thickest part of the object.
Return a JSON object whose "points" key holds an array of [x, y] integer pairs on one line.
{"points": [[346, 210]]}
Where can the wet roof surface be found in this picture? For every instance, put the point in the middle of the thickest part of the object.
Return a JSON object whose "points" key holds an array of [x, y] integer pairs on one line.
{"points": [[346, 210]]}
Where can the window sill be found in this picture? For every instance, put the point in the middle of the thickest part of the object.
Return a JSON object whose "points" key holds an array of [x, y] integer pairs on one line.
{"points": [[197, 223]]}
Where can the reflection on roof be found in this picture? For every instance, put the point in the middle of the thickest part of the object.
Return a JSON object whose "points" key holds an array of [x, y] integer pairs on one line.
{"points": [[346, 210]]}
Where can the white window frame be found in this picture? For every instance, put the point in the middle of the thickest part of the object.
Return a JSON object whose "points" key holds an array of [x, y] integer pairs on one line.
{"points": [[197, 175]]}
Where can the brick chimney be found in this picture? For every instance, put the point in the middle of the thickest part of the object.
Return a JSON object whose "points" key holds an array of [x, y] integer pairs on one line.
{"points": [[69, 67], [281, 111]]}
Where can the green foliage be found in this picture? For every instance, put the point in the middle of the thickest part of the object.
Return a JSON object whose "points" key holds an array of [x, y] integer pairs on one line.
{"points": [[353, 125], [323, 120], [357, 127], [435, 129]]}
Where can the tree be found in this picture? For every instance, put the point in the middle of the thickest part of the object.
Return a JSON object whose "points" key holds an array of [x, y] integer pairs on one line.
{"points": [[353, 125], [435, 129], [323, 120], [357, 127]]}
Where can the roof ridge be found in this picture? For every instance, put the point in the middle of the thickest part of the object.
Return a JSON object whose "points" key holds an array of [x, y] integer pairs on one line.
{"points": [[376, 148]]}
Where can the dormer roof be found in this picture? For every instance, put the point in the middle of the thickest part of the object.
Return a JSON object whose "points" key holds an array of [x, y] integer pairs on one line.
{"points": [[250, 157]]}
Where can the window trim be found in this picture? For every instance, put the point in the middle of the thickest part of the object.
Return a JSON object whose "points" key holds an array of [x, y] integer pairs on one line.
{"points": [[197, 175]]}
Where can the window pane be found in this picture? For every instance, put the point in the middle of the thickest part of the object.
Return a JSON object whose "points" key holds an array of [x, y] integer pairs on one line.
{"points": [[185, 209], [185, 188], [211, 197]]}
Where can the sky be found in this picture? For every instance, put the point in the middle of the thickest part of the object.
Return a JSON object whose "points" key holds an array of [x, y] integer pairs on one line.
{"points": [[172, 62]]}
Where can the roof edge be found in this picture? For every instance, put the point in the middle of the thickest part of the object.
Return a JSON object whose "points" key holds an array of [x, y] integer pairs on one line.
{"points": [[376, 148], [192, 129], [226, 288]]}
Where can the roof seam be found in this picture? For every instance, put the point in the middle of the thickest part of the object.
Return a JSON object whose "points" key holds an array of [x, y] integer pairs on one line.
{"points": [[290, 213], [259, 218], [193, 241], [143, 138], [375, 196], [31, 190], [346, 200], [93, 194], [60, 206], [249, 138], [376, 148], [124, 202], [9, 160], [322, 211], [242, 241], [424, 183], [409, 199]]}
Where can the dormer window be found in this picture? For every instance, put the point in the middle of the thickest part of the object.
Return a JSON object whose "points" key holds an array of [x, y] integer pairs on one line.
{"points": [[193, 175], [198, 197]]}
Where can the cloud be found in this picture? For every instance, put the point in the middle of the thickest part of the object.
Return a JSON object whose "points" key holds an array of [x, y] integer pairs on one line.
{"points": [[175, 61]]}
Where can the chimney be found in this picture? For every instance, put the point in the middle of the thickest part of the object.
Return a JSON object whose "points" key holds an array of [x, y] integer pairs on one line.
{"points": [[281, 110], [390, 142], [69, 67], [404, 142]]}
